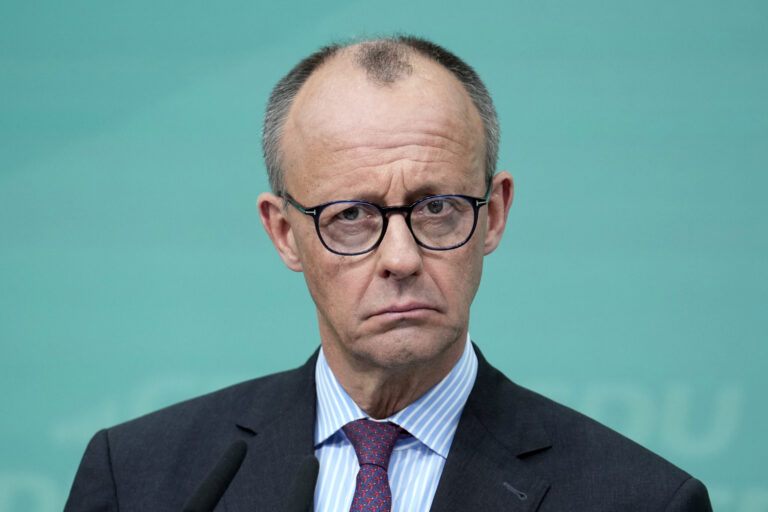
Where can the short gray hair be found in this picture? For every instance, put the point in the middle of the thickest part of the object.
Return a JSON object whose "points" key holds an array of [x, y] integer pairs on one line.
{"points": [[385, 61]]}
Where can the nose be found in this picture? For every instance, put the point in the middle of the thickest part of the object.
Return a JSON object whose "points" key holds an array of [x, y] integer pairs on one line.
{"points": [[399, 256]]}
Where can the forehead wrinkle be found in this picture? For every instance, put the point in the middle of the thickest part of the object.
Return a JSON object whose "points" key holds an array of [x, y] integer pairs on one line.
{"points": [[363, 158], [436, 142], [362, 174], [377, 183]]}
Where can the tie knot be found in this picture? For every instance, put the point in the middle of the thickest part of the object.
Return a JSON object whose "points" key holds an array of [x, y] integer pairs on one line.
{"points": [[373, 440]]}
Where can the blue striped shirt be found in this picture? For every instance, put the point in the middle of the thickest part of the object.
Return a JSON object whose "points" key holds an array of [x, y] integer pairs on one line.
{"points": [[417, 462]]}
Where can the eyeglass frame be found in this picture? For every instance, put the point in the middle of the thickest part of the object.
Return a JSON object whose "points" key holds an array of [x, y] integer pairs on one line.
{"points": [[315, 211]]}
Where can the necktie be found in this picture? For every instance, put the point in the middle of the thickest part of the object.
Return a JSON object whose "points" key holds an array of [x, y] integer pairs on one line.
{"points": [[373, 442]]}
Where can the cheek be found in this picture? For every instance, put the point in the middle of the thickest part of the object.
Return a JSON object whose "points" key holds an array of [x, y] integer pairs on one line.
{"points": [[334, 284], [310, 253], [457, 278], [468, 275]]}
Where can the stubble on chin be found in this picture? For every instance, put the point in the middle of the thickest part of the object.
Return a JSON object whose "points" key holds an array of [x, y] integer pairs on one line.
{"points": [[403, 349]]}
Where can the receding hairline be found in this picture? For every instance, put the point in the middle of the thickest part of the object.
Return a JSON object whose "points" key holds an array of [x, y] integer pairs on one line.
{"points": [[407, 49], [456, 101], [413, 65]]}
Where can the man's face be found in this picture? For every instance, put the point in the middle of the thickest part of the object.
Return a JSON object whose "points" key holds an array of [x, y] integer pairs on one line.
{"points": [[400, 305]]}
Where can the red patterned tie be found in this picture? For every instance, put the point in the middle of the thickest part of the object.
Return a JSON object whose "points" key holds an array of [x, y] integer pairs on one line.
{"points": [[373, 442]]}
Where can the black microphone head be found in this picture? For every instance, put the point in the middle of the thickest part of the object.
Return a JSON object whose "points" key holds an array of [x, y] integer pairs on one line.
{"points": [[304, 486], [212, 488]]}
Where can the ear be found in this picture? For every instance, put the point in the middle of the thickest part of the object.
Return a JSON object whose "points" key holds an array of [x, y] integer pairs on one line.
{"points": [[498, 208], [274, 217]]}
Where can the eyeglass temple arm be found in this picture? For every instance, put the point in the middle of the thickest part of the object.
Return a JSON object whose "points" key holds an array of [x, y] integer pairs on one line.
{"points": [[484, 201], [312, 212]]}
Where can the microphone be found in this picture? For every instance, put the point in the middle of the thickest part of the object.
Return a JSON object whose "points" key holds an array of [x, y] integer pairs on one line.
{"points": [[210, 491], [304, 486]]}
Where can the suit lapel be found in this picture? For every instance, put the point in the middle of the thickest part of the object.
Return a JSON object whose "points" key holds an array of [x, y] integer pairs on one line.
{"points": [[279, 439], [485, 469]]}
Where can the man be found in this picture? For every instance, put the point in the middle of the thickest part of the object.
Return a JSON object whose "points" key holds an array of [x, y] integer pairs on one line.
{"points": [[381, 157]]}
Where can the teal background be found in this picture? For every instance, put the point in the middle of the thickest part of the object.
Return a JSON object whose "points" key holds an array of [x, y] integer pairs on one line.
{"points": [[631, 283]]}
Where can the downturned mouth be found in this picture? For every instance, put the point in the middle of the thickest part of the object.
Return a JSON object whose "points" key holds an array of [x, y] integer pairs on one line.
{"points": [[403, 309]]}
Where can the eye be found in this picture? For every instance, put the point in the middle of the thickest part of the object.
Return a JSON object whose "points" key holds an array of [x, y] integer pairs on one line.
{"points": [[435, 206], [351, 213]]}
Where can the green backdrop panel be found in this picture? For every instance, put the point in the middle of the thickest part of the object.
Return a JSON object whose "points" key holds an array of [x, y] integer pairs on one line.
{"points": [[631, 283]]}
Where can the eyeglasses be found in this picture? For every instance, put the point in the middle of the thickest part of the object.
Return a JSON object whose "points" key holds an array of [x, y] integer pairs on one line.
{"points": [[439, 223]]}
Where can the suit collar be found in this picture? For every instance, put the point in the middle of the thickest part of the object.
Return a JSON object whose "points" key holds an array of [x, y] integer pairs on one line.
{"points": [[486, 467], [279, 434], [503, 408], [289, 398]]}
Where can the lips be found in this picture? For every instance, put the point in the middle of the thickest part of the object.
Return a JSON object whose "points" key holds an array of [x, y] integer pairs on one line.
{"points": [[403, 310]]}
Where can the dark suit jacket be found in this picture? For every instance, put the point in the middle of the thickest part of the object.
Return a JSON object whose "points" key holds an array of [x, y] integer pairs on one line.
{"points": [[513, 450]]}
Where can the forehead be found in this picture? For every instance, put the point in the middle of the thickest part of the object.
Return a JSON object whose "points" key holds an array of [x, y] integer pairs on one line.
{"points": [[347, 134]]}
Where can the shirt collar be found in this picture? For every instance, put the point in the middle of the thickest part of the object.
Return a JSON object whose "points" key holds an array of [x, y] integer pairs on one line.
{"points": [[432, 419]]}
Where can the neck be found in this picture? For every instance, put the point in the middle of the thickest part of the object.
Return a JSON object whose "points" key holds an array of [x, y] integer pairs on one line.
{"points": [[381, 391]]}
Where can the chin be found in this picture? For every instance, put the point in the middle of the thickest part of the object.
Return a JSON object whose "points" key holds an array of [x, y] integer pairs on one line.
{"points": [[409, 346]]}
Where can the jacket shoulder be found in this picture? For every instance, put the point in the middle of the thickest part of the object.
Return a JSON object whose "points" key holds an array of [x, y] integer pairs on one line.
{"points": [[154, 462], [256, 399], [588, 465]]}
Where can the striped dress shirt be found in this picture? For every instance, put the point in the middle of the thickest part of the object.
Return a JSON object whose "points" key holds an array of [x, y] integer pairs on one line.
{"points": [[417, 462]]}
